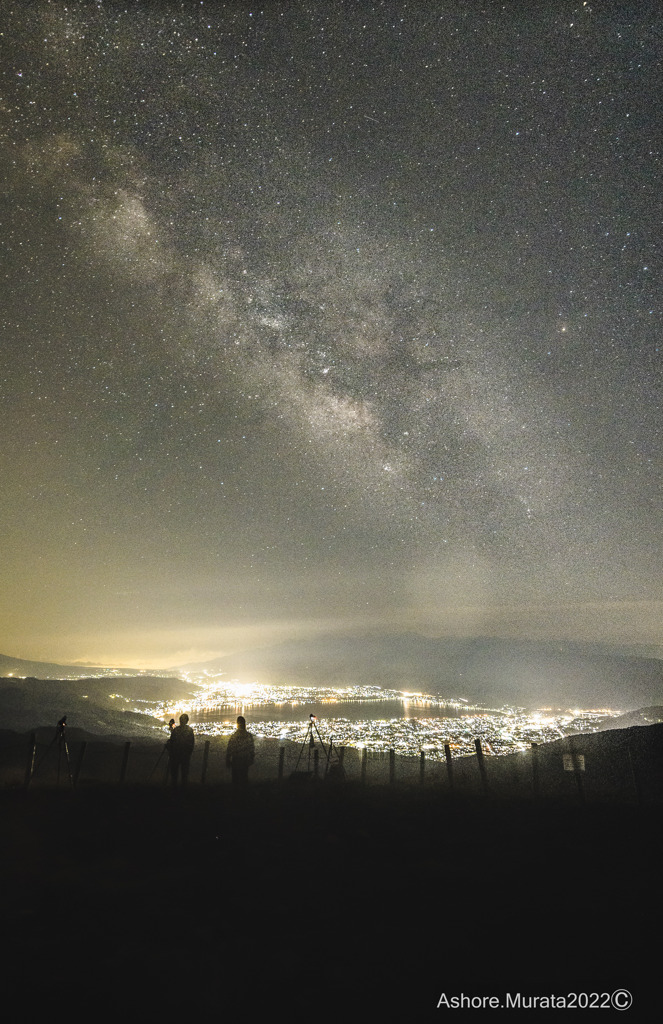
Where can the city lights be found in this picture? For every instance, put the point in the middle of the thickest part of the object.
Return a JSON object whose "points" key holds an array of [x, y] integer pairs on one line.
{"points": [[427, 722]]}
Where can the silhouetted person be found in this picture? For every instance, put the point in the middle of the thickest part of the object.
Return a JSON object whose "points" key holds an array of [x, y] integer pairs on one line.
{"points": [[240, 754], [180, 749]]}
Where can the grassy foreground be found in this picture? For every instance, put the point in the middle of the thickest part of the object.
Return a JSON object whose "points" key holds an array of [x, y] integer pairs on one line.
{"points": [[334, 902]]}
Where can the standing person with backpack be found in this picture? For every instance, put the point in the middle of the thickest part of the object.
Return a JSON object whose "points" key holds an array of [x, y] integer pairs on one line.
{"points": [[180, 748], [240, 754]]}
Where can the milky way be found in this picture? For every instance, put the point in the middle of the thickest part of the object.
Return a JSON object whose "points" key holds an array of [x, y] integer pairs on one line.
{"points": [[326, 315]]}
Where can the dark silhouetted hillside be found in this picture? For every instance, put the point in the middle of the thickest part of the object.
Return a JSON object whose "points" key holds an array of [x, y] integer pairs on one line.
{"points": [[329, 904], [105, 705]]}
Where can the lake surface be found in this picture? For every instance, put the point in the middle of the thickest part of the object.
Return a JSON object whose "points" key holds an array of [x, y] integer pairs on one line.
{"points": [[352, 710]]}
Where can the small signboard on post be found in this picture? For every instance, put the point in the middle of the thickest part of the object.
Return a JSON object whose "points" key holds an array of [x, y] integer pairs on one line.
{"points": [[575, 762]]}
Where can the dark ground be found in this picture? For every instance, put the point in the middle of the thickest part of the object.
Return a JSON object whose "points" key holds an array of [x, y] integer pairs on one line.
{"points": [[322, 903]]}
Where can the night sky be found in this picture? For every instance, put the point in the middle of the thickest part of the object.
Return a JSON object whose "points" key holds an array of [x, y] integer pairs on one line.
{"points": [[326, 316]]}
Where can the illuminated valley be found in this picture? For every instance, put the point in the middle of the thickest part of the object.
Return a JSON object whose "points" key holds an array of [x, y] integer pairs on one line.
{"points": [[374, 718]]}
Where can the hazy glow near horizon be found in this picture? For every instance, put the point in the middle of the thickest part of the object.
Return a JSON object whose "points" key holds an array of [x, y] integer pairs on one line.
{"points": [[618, 625]]}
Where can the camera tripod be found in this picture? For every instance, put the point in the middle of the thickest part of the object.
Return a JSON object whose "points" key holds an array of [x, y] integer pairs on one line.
{"points": [[171, 726], [60, 738], [329, 752]]}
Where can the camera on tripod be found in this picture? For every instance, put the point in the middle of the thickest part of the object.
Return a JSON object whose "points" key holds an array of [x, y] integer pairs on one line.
{"points": [[59, 738], [332, 756]]}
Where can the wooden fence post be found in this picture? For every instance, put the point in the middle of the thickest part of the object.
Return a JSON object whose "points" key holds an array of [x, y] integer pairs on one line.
{"points": [[634, 775], [482, 766], [392, 765], [422, 766], [450, 770], [364, 758], [125, 761], [535, 771], [79, 761], [577, 770], [203, 775]]}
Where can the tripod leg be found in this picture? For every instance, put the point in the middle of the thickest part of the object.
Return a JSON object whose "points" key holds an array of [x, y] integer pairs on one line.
{"points": [[30, 767], [157, 764], [67, 759], [307, 739]]}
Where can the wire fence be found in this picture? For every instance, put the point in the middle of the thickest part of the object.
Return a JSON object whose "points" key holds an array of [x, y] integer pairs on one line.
{"points": [[617, 765]]}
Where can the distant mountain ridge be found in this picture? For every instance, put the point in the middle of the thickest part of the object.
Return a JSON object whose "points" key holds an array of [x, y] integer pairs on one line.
{"points": [[52, 670], [485, 670], [101, 705], [643, 716]]}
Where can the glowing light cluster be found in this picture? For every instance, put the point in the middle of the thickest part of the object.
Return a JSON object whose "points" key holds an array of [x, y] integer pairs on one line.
{"points": [[502, 730]]}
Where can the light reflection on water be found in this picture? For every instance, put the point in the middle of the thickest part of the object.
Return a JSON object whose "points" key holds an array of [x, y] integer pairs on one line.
{"points": [[353, 711], [361, 718]]}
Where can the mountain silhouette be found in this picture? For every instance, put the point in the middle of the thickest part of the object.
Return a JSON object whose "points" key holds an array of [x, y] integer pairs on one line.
{"points": [[488, 670]]}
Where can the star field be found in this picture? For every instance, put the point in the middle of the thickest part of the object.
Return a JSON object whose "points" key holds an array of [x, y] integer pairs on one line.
{"points": [[324, 314]]}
